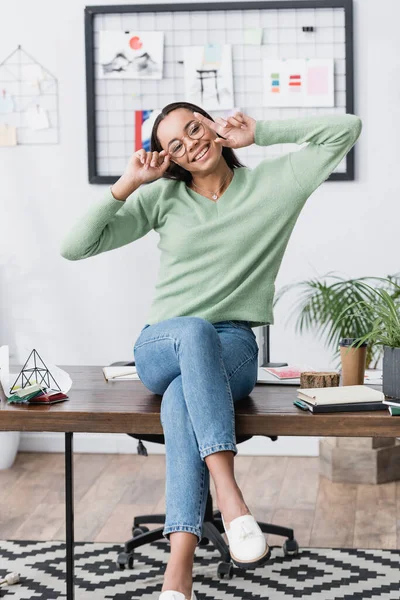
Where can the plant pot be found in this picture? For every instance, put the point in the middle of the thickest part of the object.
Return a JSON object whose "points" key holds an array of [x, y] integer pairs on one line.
{"points": [[391, 372], [9, 442]]}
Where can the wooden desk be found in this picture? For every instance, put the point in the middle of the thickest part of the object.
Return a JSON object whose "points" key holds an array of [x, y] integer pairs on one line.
{"points": [[96, 405]]}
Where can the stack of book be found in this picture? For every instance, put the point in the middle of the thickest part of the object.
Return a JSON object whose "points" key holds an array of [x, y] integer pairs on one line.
{"points": [[340, 399], [36, 394]]}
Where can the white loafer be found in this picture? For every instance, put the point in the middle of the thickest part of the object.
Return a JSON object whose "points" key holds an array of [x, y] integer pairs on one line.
{"points": [[247, 544], [172, 595]]}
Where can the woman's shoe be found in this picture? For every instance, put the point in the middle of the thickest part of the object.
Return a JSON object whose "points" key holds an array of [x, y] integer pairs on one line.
{"points": [[247, 544], [172, 595]]}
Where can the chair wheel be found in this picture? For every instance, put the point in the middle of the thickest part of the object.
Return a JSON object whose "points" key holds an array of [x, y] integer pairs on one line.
{"points": [[139, 530], [225, 569], [204, 541], [124, 560], [290, 548]]}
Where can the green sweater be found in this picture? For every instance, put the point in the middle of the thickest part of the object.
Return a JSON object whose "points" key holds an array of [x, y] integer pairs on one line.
{"points": [[219, 260]]}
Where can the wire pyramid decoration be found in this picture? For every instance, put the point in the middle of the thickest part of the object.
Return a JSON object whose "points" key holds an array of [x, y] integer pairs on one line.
{"points": [[23, 95], [30, 375]]}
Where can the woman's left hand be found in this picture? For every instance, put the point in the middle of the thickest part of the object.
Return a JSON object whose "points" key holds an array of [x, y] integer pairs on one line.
{"points": [[236, 131]]}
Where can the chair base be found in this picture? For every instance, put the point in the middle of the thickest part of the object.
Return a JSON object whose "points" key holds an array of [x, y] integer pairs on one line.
{"points": [[213, 529]]}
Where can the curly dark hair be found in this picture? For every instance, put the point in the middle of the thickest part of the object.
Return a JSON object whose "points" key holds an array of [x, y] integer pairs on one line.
{"points": [[174, 171]]}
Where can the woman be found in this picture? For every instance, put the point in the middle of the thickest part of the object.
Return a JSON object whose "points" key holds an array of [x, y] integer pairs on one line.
{"points": [[223, 230]]}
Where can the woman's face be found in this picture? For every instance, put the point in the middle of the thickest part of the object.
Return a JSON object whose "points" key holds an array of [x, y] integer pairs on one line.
{"points": [[172, 132]]}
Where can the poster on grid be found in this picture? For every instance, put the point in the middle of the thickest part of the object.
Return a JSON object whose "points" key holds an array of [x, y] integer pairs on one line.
{"points": [[299, 82], [208, 76]]}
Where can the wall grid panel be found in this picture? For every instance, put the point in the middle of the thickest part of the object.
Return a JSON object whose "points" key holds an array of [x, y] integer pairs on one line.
{"points": [[111, 103]]}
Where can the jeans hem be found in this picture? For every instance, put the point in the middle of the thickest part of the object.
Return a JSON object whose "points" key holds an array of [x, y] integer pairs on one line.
{"points": [[186, 528], [218, 448]]}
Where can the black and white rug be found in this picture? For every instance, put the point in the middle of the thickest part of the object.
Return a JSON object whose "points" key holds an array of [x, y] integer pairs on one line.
{"points": [[315, 574]]}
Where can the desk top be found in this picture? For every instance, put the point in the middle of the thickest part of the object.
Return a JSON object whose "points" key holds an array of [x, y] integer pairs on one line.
{"points": [[95, 405]]}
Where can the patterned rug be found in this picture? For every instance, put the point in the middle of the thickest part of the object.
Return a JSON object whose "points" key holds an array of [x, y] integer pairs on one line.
{"points": [[315, 574]]}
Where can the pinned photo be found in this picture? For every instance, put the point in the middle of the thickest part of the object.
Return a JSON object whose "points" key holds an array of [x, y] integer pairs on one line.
{"points": [[131, 55]]}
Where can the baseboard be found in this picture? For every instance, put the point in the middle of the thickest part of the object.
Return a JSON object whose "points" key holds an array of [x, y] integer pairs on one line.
{"points": [[119, 443]]}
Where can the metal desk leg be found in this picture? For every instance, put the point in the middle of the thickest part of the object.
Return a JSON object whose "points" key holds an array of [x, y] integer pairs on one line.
{"points": [[69, 512]]}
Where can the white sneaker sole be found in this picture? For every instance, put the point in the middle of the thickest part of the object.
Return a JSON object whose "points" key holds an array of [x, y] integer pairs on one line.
{"points": [[170, 594], [254, 562]]}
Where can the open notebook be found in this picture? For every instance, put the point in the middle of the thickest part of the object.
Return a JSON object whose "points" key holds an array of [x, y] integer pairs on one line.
{"points": [[120, 373], [266, 377]]}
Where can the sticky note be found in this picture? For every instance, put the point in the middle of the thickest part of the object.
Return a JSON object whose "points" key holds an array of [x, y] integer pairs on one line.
{"points": [[253, 35], [8, 135], [212, 54]]}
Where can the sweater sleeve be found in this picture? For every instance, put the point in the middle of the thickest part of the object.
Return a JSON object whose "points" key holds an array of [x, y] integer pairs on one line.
{"points": [[107, 225], [329, 137]]}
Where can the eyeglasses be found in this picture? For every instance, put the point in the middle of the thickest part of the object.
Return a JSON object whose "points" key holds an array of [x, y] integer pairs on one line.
{"points": [[195, 131]]}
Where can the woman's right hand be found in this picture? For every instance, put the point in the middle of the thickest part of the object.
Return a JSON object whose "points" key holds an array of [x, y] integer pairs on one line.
{"points": [[142, 167]]}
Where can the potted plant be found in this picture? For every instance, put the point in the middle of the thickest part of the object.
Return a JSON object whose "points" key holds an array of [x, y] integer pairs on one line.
{"points": [[383, 311], [326, 308]]}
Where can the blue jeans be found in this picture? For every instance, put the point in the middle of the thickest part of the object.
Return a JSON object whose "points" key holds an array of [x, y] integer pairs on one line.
{"points": [[200, 369]]}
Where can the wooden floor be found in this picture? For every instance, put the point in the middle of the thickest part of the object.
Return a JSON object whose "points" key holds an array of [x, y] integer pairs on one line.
{"points": [[110, 489]]}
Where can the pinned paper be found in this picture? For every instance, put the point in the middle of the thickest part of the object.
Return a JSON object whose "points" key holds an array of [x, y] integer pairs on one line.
{"points": [[253, 35], [299, 82], [209, 82], [8, 135], [6, 103], [36, 117], [131, 54]]}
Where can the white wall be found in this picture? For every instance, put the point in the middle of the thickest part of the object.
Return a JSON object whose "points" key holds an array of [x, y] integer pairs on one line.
{"points": [[90, 312]]}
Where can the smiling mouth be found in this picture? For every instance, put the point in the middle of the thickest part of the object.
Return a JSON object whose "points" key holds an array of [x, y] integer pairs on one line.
{"points": [[203, 153]]}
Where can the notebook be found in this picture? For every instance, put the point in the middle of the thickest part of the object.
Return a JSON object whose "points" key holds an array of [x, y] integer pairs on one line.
{"points": [[347, 394], [266, 377], [120, 373], [50, 397], [288, 371]]}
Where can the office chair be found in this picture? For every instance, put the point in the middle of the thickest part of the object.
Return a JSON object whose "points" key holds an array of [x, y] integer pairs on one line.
{"points": [[212, 524]]}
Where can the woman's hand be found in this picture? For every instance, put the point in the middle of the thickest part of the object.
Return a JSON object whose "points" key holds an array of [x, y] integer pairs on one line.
{"points": [[143, 167], [236, 131]]}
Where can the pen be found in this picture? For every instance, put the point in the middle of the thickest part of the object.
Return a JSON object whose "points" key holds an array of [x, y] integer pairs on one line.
{"points": [[123, 375]]}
